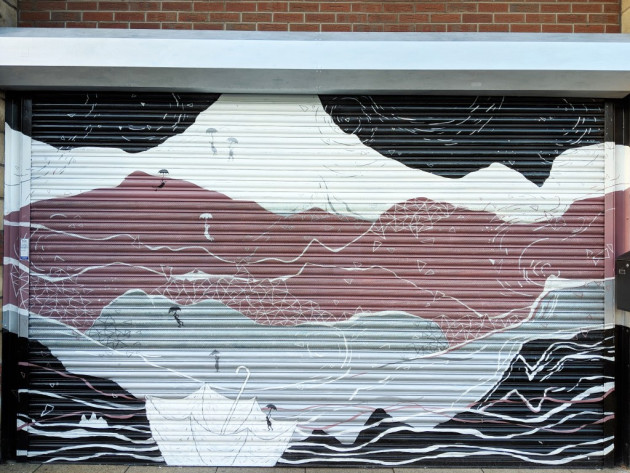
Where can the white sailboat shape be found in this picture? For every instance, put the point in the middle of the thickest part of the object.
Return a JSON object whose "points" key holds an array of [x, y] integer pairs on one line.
{"points": [[207, 428]]}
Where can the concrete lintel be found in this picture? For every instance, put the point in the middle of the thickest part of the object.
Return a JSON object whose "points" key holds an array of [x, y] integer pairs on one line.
{"points": [[258, 62]]}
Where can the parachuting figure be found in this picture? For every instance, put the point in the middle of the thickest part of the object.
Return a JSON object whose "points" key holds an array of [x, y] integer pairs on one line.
{"points": [[174, 312], [163, 172], [271, 408], [215, 353]]}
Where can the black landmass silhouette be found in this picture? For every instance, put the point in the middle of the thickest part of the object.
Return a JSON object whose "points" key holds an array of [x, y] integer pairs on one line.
{"points": [[61, 402], [133, 122], [531, 417], [455, 136]]}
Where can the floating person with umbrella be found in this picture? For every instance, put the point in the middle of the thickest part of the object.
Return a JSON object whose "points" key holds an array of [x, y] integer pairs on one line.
{"points": [[211, 131], [174, 311], [216, 354], [163, 172], [231, 141], [271, 408]]}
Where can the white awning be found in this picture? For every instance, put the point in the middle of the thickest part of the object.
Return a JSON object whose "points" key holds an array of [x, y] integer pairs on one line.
{"points": [[261, 62]]}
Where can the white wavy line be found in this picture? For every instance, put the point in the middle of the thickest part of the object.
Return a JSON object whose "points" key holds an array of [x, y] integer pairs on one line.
{"points": [[44, 423], [159, 459], [82, 433], [526, 456], [113, 446], [105, 405]]}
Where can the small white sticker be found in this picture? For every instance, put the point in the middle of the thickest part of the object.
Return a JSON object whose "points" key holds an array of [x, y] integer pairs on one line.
{"points": [[24, 249]]}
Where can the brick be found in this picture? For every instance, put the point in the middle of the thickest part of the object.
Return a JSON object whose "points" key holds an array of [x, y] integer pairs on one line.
{"points": [[191, 17], [611, 8], [240, 26], [462, 28], [98, 16], [272, 27], [55, 24], [376, 7], [161, 16], [351, 17], [177, 26], [398, 7], [398, 28], [555, 7], [240, 6], [65, 16], [463, 7], [177, 6], [614, 28], [431, 28], [227, 17], [557, 28], [477, 18], [129, 16], [34, 16], [430, 7], [493, 7], [288, 17], [509, 18], [367, 28], [117, 25], [589, 29], [445, 18], [524, 7], [414, 18], [50, 5], [142, 6], [382, 17], [336, 28], [144, 26], [525, 28], [319, 18], [540, 18], [572, 18], [304, 27], [113, 6], [81, 24], [209, 26], [209, 6], [494, 28], [335, 7], [272, 6], [303, 7], [587, 8], [256, 17], [603, 18], [83, 6]]}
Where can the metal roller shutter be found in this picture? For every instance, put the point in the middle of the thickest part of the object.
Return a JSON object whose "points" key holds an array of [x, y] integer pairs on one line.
{"points": [[300, 280]]}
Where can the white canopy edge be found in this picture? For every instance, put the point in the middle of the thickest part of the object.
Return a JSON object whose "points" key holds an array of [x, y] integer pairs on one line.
{"points": [[593, 65]]}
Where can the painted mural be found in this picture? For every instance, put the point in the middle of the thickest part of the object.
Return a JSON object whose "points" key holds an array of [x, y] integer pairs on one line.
{"points": [[306, 280]]}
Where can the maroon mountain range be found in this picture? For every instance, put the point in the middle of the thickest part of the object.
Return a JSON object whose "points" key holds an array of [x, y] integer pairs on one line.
{"points": [[468, 271]]}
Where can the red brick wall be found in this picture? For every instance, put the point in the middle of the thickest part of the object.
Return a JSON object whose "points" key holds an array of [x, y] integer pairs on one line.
{"points": [[551, 16]]}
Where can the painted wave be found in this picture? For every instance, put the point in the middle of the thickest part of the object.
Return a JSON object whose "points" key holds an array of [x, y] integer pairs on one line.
{"points": [[551, 406], [75, 417], [308, 161], [95, 118], [322, 376], [455, 136], [466, 271]]}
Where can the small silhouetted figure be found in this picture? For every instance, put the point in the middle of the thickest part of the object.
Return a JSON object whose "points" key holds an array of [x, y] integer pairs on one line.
{"points": [[215, 353], [174, 312], [163, 173], [271, 408]]}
